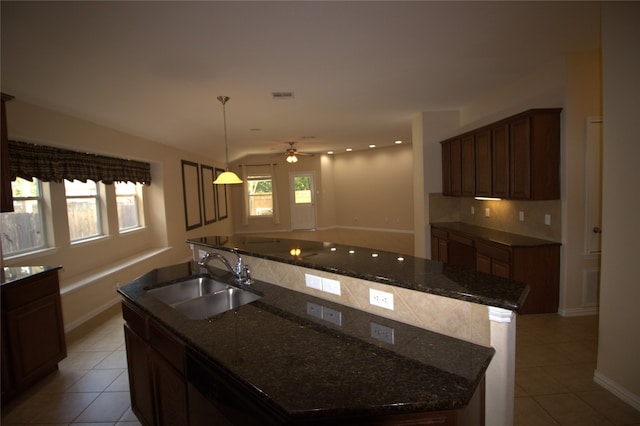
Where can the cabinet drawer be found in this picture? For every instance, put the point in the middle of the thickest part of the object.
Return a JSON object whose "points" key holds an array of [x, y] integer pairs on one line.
{"points": [[164, 343], [29, 290], [136, 320], [435, 232], [493, 251], [461, 239]]}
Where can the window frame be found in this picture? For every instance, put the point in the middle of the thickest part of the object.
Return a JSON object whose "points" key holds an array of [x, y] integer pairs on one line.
{"points": [[40, 199], [99, 199], [138, 203], [259, 177]]}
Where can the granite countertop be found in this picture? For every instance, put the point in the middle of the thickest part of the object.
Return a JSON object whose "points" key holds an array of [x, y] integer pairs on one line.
{"points": [[380, 266], [492, 235], [282, 349], [14, 274]]}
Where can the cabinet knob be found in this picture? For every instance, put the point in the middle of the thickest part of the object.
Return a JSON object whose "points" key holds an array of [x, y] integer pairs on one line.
{"points": [[597, 230]]}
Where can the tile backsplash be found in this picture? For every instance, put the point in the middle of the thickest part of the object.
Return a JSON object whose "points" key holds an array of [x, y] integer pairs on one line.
{"points": [[502, 215]]}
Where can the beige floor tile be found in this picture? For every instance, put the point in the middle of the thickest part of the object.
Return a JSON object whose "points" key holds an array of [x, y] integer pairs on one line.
{"points": [[539, 355], [116, 359], [82, 360], [611, 407], [536, 381], [527, 412], [96, 380], [120, 384], [576, 377], [64, 407], [108, 407], [569, 410]]}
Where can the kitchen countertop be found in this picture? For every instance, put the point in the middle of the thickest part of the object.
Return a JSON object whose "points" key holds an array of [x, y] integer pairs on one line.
{"points": [[280, 348], [380, 266], [492, 235], [14, 274]]}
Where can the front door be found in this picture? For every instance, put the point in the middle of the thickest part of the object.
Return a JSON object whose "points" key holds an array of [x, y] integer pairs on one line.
{"points": [[303, 203]]}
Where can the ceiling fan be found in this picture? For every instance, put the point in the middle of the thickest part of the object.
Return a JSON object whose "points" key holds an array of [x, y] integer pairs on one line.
{"points": [[292, 153]]}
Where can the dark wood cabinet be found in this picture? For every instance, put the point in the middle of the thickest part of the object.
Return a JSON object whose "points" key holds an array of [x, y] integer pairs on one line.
{"points": [[483, 165], [156, 365], [455, 167], [538, 266], [33, 340], [439, 245], [534, 144], [500, 161], [515, 158]]}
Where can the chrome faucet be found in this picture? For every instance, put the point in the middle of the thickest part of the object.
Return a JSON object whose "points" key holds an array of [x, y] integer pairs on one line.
{"points": [[240, 271]]}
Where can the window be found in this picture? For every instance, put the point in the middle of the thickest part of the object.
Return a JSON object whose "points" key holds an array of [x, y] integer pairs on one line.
{"points": [[23, 229], [127, 196], [260, 195], [83, 209]]}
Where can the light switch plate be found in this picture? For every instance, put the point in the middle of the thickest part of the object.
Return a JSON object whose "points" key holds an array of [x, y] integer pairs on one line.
{"points": [[313, 281], [331, 286]]}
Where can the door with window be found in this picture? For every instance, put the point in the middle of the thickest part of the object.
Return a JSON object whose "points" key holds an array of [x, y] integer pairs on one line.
{"points": [[303, 203]]}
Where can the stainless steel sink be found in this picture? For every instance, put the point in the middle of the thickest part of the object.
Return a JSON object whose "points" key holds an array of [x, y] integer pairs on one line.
{"points": [[186, 290], [203, 297], [216, 303]]}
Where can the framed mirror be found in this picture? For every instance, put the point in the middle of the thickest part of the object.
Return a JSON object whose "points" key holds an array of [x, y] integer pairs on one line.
{"points": [[221, 197], [191, 194], [209, 207]]}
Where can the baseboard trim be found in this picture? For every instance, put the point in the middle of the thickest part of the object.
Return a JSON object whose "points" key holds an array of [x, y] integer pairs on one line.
{"points": [[91, 314], [619, 391], [579, 312]]}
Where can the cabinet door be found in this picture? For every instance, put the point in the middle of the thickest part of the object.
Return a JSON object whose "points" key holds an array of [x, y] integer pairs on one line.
{"points": [[140, 384], [35, 338], [483, 164], [456, 167], [483, 263], [520, 158], [446, 168], [170, 389], [500, 161], [468, 162], [500, 269]]}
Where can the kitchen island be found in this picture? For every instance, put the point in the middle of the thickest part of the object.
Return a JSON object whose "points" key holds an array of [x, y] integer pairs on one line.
{"points": [[292, 358]]}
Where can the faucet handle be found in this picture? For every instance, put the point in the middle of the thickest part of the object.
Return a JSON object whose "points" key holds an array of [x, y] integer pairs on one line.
{"points": [[246, 275]]}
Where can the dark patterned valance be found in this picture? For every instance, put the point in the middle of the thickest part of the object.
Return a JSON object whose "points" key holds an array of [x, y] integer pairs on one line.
{"points": [[55, 164]]}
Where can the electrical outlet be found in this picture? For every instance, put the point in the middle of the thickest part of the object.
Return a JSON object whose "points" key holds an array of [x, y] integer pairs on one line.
{"points": [[487, 212], [383, 333], [313, 282], [547, 219], [331, 286], [473, 210], [521, 216], [381, 298]]}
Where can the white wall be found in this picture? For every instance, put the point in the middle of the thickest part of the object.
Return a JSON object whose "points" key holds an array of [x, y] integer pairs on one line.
{"points": [[92, 269], [618, 368]]}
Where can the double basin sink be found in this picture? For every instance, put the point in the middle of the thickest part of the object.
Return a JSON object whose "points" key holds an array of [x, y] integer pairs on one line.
{"points": [[203, 297]]}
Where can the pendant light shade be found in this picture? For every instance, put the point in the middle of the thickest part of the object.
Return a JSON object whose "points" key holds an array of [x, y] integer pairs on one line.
{"points": [[226, 177]]}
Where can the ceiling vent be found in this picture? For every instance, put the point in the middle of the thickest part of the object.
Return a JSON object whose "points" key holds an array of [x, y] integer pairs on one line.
{"points": [[282, 95]]}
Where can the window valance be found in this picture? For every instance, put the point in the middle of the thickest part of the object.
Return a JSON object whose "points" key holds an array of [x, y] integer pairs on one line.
{"points": [[55, 164]]}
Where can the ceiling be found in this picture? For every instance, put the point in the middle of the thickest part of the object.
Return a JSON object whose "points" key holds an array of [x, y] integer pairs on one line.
{"points": [[358, 71]]}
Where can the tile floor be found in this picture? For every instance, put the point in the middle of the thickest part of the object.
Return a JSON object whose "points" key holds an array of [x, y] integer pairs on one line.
{"points": [[555, 360]]}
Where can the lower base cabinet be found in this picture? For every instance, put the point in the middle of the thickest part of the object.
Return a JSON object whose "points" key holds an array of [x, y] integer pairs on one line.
{"points": [[171, 384], [33, 340], [536, 266]]}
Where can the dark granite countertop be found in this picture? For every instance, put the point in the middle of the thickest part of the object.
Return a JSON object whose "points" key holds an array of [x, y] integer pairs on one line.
{"points": [[14, 274], [379, 266], [280, 348], [492, 235]]}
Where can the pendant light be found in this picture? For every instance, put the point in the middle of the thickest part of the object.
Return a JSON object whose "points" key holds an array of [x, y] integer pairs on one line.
{"points": [[226, 177]]}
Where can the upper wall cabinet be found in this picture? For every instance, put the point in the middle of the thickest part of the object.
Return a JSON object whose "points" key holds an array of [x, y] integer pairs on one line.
{"points": [[514, 158]]}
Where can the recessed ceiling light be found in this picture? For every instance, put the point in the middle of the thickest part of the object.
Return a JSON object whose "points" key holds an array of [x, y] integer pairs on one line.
{"points": [[349, 149], [330, 152], [398, 142], [372, 146]]}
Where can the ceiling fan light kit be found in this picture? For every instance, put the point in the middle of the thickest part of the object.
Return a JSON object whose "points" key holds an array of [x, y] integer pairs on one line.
{"points": [[227, 177]]}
